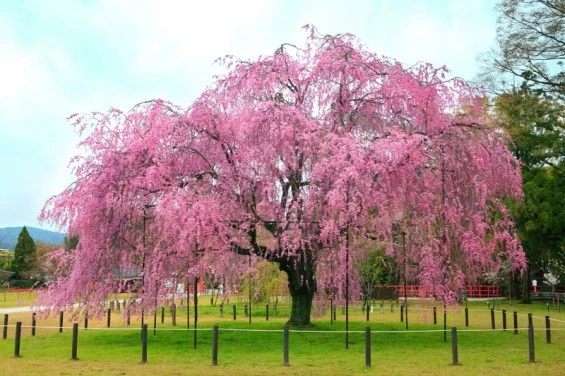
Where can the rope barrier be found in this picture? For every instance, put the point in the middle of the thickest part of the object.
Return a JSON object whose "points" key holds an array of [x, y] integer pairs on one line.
{"points": [[251, 330], [290, 330]]}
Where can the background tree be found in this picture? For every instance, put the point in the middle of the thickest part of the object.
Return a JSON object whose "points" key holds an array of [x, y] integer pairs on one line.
{"points": [[298, 158], [45, 268], [70, 242], [536, 125], [370, 268], [6, 258], [25, 255], [530, 47], [267, 283], [42, 248], [526, 71]]}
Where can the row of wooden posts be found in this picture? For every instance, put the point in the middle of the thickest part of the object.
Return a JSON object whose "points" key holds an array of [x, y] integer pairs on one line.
{"points": [[403, 318], [173, 311], [286, 342], [404, 312]]}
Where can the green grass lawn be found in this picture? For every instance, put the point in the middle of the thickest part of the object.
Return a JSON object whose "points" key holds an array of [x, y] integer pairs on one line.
{"points": [[257, 348], [16, 299]]}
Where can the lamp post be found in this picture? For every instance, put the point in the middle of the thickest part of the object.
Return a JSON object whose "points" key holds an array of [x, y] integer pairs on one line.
{"points": [[405, 275], [249, 282], [347, 288], [347, 274], [144, 241]]}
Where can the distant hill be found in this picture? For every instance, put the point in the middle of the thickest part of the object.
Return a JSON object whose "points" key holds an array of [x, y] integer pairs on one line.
{"points": [[9, 236]]}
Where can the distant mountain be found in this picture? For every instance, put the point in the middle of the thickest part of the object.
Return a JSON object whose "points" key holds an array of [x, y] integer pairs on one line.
{"points": [[9, 236]]}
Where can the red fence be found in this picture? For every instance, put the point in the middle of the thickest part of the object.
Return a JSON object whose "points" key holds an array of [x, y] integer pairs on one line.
{"points": [[482, 291], [474, 291]]}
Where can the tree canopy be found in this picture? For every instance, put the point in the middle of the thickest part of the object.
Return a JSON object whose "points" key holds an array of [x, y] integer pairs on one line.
{"points": [[299, 157]]}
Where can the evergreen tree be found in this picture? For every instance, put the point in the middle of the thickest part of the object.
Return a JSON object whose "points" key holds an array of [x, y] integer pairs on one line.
{"points": [[535, 123], [24, 253]]}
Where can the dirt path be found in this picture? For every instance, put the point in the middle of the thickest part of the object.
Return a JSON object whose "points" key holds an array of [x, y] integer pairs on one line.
{"points": [[15, 310]]}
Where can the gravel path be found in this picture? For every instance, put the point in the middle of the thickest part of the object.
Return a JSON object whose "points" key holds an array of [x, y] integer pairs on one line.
{"points": [[15, 310]]}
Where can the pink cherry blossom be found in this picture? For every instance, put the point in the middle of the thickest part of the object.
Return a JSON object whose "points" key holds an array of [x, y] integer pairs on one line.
{"points": [[305, 158]]}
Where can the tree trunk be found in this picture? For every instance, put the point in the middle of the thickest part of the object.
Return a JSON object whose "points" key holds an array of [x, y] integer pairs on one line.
{"points": [[515, 288], [526, 287], [300, 270], [301, 308]]}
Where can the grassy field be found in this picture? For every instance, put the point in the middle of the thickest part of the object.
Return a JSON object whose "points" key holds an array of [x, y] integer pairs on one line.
{"points": [[257, 348], [16, 299]]}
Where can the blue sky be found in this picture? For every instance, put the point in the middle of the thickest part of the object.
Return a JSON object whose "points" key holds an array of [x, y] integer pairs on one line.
{"points": [[60, 57]]}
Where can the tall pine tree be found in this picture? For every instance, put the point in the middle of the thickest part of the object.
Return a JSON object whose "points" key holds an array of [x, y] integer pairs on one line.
{"points": [[24, 254]]}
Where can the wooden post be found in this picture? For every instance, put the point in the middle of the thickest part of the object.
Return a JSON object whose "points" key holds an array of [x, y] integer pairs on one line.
{"points": [[144, 344], [108, 317], [504, 319], [531, 349], [162, 315], [435, 316], [402, 313], [188, 303], [492, 318], [188, 311], [17, 341], [74, 344], [5, 329], [234, 312], [195, 308], [466, 317], [444, 323], [33, 321], [61, 322], [454, 351], [367, 347], [215, 346], [547, 330], [267, 313], [515, 314], [285, 346]]}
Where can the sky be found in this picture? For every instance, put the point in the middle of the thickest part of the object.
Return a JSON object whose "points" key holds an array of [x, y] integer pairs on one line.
{"points": [[61, 57]]}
